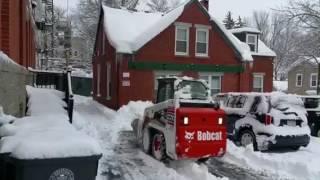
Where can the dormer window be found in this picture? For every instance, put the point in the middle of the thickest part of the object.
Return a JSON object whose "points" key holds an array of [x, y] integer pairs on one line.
{"points": [[252, 40]]}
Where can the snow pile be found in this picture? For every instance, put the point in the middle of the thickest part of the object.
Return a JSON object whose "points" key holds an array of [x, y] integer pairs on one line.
{"points": [[280, 86], [47, 133], [77, 72], [5, 59], [5, 119], [128, 31], [302, 164], [45, 101]]}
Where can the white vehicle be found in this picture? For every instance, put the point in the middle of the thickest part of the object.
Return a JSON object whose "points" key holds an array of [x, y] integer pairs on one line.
{"points": [[266, 120], [184, 123]]}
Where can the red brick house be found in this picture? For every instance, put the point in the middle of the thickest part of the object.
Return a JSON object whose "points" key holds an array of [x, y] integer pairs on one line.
{"points": [[134, 48], [17, 31]]}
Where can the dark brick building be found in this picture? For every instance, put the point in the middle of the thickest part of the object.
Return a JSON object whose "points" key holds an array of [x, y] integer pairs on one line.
{"points": [[134, 48], [17, 31]]}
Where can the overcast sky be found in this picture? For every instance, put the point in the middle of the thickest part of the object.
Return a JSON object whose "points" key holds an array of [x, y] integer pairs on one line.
{"points": [[218, 8], [244, 8]]}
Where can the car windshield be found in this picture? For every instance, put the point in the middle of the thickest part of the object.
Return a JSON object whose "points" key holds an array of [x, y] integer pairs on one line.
{"points": [[192, 90]]}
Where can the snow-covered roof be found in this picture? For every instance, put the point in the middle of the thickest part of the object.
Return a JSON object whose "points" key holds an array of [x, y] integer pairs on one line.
{"points": [[304, 59], [263, 50], [128, 31], [241, 47], [245, 29]]}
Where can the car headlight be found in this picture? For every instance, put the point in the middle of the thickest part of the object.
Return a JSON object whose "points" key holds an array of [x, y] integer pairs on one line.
{"points": [[220, 120]]}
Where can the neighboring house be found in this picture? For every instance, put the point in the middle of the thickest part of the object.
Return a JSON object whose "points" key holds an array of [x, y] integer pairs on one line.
{"points": [[303, 77], [133, 48], [18, 35]]}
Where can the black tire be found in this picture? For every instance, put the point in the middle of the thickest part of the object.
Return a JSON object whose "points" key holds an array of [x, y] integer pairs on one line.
{"points": [[245, 134], [158, 147], [295, 148], [202, 160], [146, 141]]}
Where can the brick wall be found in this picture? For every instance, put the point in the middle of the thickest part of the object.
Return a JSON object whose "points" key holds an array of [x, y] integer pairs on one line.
{"points": [[17, 31]]}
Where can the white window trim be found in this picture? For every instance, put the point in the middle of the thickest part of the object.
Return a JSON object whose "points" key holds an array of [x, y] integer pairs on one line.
{"points": [[200, 28], [259, 75], [108, 80], [313, 74], [255, 43], [98, 79], [210, 75], [186, 27], [299, 74]]}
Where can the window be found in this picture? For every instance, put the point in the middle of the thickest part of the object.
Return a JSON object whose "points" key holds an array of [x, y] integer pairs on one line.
{"points": [[252, 42], [98, 79], [165, 91], [202, 38], [299, 80], [313, 80], [214, 82], [108, 81], [258, 83], [182, 40]]}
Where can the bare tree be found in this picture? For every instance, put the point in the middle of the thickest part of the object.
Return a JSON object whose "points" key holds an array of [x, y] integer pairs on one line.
{"points": [[261, 20], [306, 13], [278, 33], [158, 5]]}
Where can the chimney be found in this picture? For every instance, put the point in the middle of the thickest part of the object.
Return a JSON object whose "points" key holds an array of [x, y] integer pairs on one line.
{"points": [[205, 4]]}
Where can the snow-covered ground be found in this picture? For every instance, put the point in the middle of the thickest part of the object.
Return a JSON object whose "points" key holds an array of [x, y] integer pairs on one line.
{"points": [[302, 164], [122, 158]]}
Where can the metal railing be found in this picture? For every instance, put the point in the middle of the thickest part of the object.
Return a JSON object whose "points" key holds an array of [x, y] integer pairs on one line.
{"points": [[56, 80], [69, 95]]}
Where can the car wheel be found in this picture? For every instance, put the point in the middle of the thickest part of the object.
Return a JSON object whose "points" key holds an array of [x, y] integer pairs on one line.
{"points": [[246, 138], [203, 160], [296, 148], [146, 144], [158, 147]]}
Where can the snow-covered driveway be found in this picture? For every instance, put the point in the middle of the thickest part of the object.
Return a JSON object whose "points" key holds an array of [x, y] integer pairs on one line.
{"points": [[123, 159]]}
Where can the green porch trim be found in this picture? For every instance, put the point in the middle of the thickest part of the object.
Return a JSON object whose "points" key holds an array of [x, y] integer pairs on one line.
{"points": [[140, 65]]}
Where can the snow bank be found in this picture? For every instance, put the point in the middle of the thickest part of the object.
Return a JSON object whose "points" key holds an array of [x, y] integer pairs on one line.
{"points": [[302, 164], [47, 133], [45, 101], [5, 119], [5, 59]]}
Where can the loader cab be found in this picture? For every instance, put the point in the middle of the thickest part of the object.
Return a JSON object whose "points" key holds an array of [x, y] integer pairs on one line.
{"points": [[187, 89], [165, 89]]}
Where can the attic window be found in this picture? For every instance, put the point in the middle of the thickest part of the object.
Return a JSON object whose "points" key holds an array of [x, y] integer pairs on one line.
{"points": [[202, 39], [252, 42]]}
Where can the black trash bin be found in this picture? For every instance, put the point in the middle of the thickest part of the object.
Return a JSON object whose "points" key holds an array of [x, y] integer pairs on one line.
{"points": [[3, 165], [71, 168]]}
